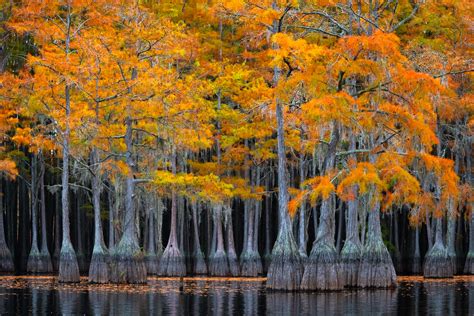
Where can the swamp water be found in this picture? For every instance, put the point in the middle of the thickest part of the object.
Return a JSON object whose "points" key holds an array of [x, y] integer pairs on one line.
{"points": [[232, 296]]}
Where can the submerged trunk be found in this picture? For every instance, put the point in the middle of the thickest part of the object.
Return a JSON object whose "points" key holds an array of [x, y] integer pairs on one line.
{"points": [[38, 261], [469, 265], [250, 262], [352, 250], [376, 268], [172, 261], [232, 258], [6, 260], [450, 236], [321, 270], [57, 232], [128, 262], [416, 262], [44, 252], [33, 258], [151, 257], [199, 262], [68, 267], [286, 269], [268, 208], [437, 263], [99, 266], [218, 265]]}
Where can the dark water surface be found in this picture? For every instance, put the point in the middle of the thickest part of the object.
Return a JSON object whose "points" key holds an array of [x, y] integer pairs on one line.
{"points": [[213, 296]]}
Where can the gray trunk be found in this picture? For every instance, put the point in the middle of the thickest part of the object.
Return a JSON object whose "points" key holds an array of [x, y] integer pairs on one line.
{"points": [[68, 267]]}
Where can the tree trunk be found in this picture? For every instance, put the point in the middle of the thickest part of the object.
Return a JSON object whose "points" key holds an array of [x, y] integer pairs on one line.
{"points": [[199, 262], [34, 256], [44, 252], [151, 256], [302, 217], [352, 250], [437, 263], [321, 271], [6, 260], [376, 268], [218, 265], [172, 261], [286, 269], [128, 263], [232, 258], [68, 267], [416, 264], [99, 266]]}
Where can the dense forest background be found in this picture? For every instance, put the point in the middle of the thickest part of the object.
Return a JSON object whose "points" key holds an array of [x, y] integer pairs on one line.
{"points": [[322, 143]]}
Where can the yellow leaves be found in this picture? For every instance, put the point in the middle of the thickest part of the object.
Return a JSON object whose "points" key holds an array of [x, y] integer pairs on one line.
{"points": [[333, 107], [365, 178], [8, 167], [298, 52], [205, 188], [316, 188], [384, 44]]}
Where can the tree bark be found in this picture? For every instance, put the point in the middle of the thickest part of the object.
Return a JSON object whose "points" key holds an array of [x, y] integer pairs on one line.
{"points": [[99, 266], [6, 260]]}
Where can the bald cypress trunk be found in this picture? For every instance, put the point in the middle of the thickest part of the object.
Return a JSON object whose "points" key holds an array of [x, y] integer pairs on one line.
{"points": [[233, 260], [45, 257], [321, 270], [250, 262], [376, 268], [218, 264], [153, 207], [38, 261], [302, 218], [416, 263], [128, 263], [99, 266], [469, 264], [68, 267], [352, 250], [437, 263], [33, 265], [199, 262], [172, 261], [286, 269], [6, 260]]}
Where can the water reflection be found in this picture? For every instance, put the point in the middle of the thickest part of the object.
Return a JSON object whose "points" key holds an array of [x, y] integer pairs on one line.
{"points": [[199, 297]]}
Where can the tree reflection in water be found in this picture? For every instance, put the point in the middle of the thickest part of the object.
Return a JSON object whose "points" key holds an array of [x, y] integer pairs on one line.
{"points": [[224, 297]]}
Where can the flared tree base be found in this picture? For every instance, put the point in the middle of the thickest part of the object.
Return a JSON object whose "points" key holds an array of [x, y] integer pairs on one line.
{"points": [[469, 265], [250, 264], [350, 259], [285, 273], [99, 269], [286, 269], [218, 264], [128, 263], [6, 260], [376, 268], [172, 263], [39, 263], [234, 266], [321, 271], [152, 262], [437, 263], [68, 267], [199, 263]]}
